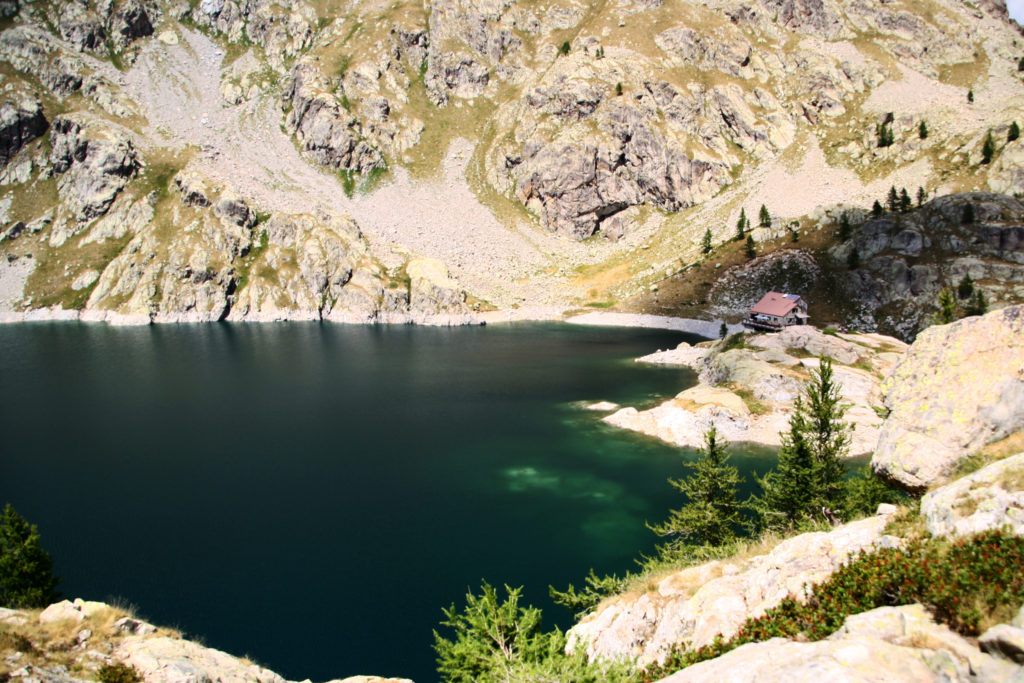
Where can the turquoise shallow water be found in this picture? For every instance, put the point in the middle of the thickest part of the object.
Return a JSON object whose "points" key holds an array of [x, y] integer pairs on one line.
{"points": [[312, 495]]}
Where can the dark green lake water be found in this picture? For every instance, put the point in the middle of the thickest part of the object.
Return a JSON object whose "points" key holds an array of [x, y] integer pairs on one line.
{"points": [[312, 495]]}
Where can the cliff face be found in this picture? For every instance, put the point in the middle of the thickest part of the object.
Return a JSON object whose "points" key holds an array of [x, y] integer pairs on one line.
{"points": [[486, 136]]}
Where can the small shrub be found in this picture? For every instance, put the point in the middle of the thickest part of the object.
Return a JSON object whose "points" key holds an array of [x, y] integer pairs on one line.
{"points": [[970, 96], [1013, 133], [118, 673], [564, 49], [922, 130], [618, 89]]}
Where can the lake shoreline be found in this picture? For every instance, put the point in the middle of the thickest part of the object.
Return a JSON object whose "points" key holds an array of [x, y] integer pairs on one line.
{"points": [[704, 328]]}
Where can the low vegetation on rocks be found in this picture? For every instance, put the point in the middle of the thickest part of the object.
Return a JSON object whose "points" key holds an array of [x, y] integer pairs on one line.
{"points": [[968, 585]]}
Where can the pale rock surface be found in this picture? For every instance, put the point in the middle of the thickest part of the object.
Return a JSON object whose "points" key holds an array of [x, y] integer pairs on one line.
{"points": [[694, 605], [76, 610], [959, 387], [987, 499], [774, 378], [881, 645], [1005, 641], [163, 659]]}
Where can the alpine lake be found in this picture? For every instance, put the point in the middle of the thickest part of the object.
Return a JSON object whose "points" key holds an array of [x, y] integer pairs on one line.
{"points": [[312, 495]]}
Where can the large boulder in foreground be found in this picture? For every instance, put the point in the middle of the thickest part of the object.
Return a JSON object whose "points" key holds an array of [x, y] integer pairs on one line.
{"points": [[694, 605], [960, 387], [884, 644]]}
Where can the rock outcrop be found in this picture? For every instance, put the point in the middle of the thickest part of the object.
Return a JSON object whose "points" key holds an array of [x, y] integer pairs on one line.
{"points": [[881, 645], [748, 393], [960, 387], [104, 635], [21, 121], [94, 162], [696, 604], [906, 259], [991, 498]]}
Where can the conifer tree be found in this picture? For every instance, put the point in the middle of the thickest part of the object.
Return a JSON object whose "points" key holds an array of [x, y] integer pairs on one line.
{"points": [[705, 244], [828, 435], [970, 96], [750, 248], [711, 514], [766, 218], [922, 130], [905, 202], [1013, 133], [978, 305], [810, 474], [788, 491], [921, 195], [26, 570], [893, 200], [1020, 64], [988, 148], [876, 209], [845, 229], [741, 225], [853, 259], [723, 330], [947, 307], [965, 287], [967, 217]]}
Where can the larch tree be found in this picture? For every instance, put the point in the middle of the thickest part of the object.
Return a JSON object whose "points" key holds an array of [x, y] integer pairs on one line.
{"points": [[711, 514]]}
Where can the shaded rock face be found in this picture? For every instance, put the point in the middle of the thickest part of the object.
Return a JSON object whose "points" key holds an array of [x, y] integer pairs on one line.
{"points": [[21, 121], [696, 604], [897, 289], [960, 386], [991, 498], [329, 133], [94, 162], [879, 645]]}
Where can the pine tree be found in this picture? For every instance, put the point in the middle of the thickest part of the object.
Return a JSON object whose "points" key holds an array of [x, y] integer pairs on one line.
{"points": [[711, 514], [988, 148], [828, 435], [905, 202], [853, 259], [967, 217], [26, 571], [970, 96], [965, 287], [921, 195], [618, 89], [922, 130], [978, 305], [876, 209], [1020, 64], [751, 250], [885, 135], [723, 330], [766, 218], [893, 200], [1013, 133], [947, 307], [845, 229], [741, 225], [810, 474], [705, 244], [490, 636], [788, 492]]}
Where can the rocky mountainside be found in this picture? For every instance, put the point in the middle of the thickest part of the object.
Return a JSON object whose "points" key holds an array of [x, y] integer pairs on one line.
{"points": [[274, 159]]}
